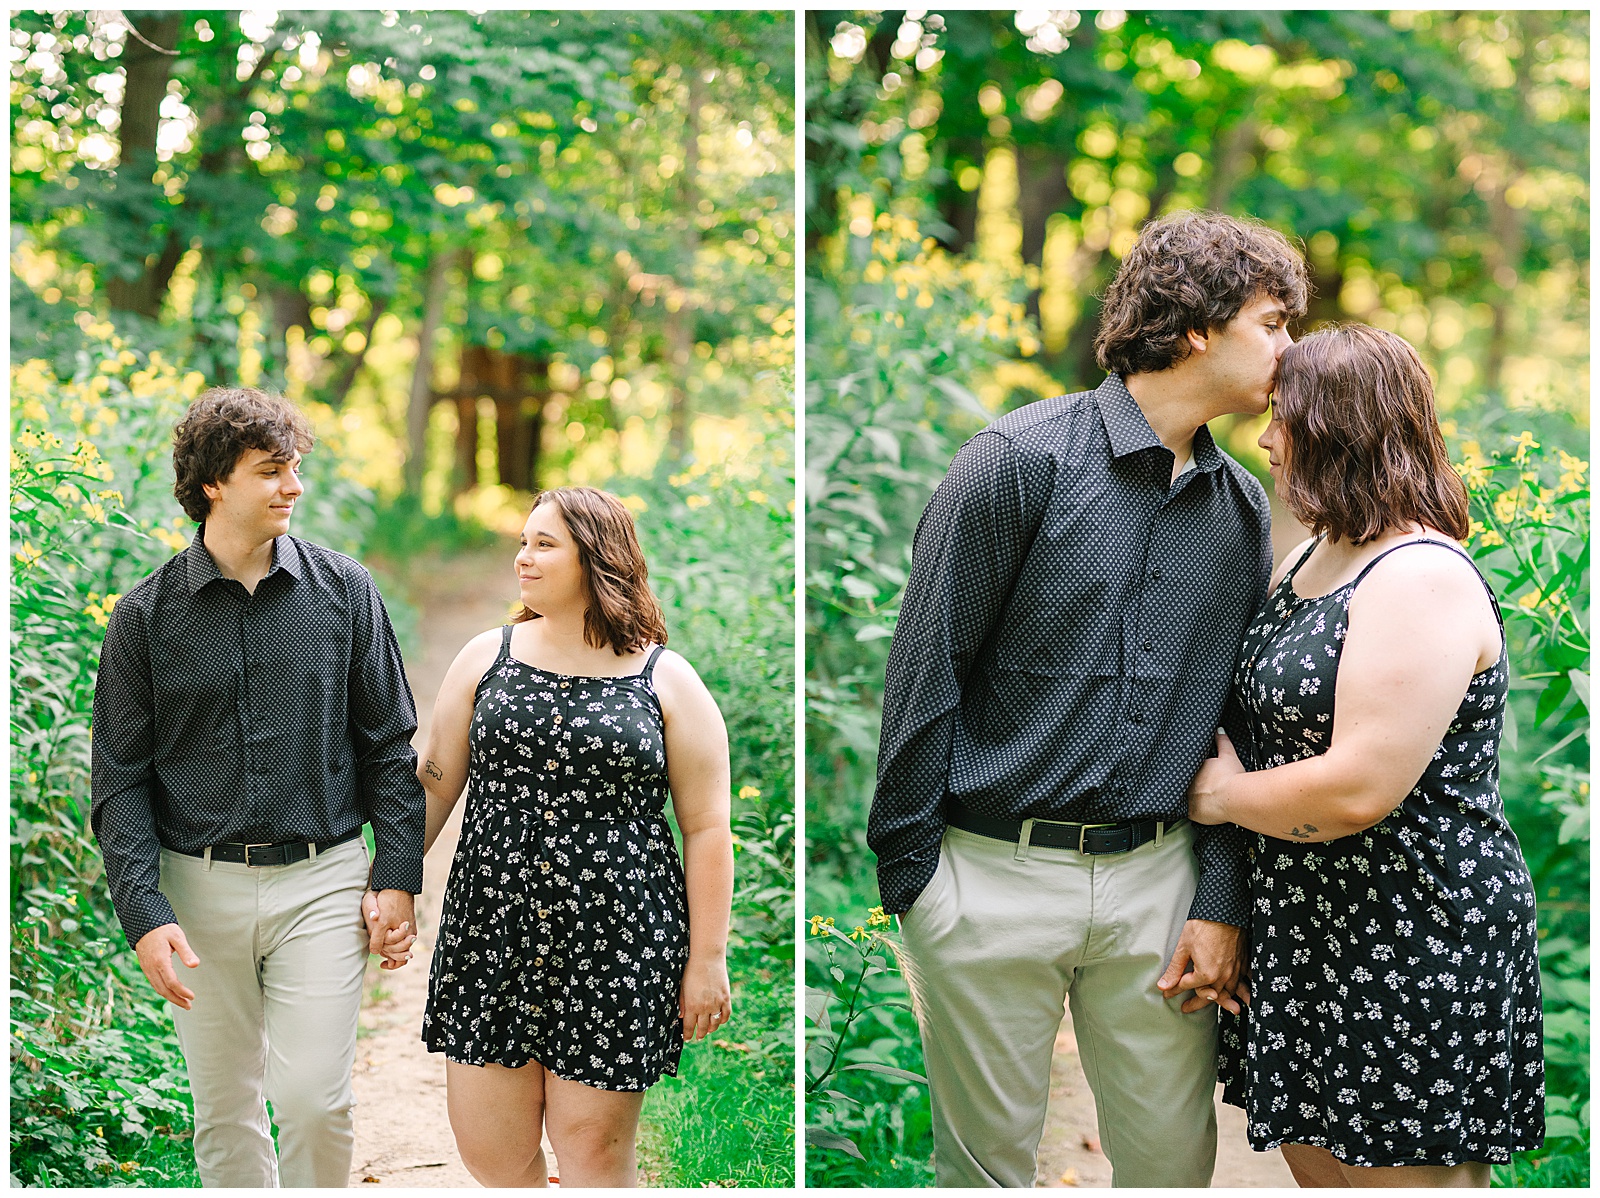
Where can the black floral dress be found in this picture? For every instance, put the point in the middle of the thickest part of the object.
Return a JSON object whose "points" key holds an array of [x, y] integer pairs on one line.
{"points": [[1395, 1015], [565, 928]]}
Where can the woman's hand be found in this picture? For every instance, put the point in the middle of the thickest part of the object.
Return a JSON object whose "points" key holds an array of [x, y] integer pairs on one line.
{"points": [[703, 999], [396, 947], [1206, 804]]}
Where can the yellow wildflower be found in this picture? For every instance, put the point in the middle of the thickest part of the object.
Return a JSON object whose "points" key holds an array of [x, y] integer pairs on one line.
{"points": [[29, 553], [859, 934], [696, 501], [749, 792], [877, 919], [1523, 443], [1505, 506], [820, 925]]}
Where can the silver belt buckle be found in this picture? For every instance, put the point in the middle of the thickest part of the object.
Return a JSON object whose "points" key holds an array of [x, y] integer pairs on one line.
{"points": [[1084, 830], [247, 849]]}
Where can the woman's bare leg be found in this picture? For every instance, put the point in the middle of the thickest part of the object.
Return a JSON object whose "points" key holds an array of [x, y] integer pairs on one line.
{"points": [[593, 1133], [1314, 1168], [497, 1115], [1472, 1174]]}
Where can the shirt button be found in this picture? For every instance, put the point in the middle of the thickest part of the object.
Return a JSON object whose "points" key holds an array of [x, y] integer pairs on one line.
{"points": [[1155, 575], [544, 914], [1136, 716], [544, 867], [1148, 644], [538, 960]]}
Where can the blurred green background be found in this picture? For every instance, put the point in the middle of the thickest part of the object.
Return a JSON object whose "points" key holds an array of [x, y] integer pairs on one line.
{"points": [[972, 181], [488, 252]]}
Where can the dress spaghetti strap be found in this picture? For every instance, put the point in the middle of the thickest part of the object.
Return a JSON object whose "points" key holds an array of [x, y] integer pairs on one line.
{"points": [[1494, 600], [650, 663], [1304, 557], [505, 642]]}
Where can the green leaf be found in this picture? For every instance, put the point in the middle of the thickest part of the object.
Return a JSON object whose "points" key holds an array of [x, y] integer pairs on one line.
{"points": [[888, 1071], [1558, 1127], [817, 1137]]}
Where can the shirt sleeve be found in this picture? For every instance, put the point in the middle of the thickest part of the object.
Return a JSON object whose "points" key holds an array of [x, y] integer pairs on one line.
{"points": [[121, 774], [967, 552], [383, 719], [1223, 891]]}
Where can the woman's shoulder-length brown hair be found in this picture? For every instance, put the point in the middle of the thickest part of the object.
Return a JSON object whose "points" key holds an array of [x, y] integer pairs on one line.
{"points": [[622, 611], [1365, 454]]}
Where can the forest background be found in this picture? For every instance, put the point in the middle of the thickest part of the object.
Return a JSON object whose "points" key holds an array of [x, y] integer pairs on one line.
{"points": [[486, 252], [972, 180]]}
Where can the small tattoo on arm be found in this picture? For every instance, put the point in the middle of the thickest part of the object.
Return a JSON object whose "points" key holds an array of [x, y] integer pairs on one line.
{"points": [[1301, 833], [433, 771]]}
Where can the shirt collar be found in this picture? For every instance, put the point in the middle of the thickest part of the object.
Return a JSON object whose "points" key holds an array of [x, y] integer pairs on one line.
{"points": [[200, 568], [1130, 432]]}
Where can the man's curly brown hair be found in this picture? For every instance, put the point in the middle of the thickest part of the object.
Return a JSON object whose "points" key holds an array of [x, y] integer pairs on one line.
{"points": [[622, 612], [1192, 271], [219, 428]]}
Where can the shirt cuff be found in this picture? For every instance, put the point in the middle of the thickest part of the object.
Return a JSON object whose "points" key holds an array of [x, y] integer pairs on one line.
{"points": [[395, 872], [1223, 892], [143, 914], [900, 881]]}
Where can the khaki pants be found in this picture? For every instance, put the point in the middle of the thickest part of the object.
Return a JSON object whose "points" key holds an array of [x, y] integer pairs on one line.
{"points": [[276, 995], [994, 945]]}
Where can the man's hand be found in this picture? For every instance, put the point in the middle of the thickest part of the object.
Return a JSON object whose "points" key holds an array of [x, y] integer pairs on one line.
{"points": [[1206, 803], [390, 919], [155, 949], [1207, 961]]}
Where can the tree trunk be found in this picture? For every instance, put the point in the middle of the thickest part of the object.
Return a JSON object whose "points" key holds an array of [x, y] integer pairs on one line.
{"points": [[353, 364], [421, 401], [141, 200], [680, 326]]}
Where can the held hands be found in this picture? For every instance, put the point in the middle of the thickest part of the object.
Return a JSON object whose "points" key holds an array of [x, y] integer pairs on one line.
{"points": [[155, 949], [1206, 804], [1208, 961], [390, 919], [703, 998]]}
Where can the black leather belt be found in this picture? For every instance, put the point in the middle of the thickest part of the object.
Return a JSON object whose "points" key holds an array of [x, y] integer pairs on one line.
{"points": [[286, 853], [1051, 834]]}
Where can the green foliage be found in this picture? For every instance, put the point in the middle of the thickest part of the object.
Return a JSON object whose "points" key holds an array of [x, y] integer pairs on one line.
{"points": [[98, 1087], [727, 1119], [863, 1094], [1531, 536]]}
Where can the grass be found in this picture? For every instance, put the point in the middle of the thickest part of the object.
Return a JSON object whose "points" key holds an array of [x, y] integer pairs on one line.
{"points": [[727, 1119]]}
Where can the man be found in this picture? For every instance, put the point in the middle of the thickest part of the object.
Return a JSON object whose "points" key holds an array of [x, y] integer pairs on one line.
{"points": [[250, 715], [1080, 583]]}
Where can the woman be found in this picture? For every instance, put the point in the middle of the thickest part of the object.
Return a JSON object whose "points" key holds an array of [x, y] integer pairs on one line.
{"points": [[572, 960], [1394, 1033]]}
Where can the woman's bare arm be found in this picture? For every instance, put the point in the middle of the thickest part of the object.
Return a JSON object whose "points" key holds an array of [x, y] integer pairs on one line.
{"points": [[442, 764], [698, 773], [1420, 627]]}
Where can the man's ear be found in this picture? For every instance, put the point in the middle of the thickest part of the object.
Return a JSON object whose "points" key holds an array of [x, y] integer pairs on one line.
{"points": [[1199, 342]]}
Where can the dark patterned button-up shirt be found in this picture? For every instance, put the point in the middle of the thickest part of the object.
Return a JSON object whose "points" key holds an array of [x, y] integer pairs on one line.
{"points": [[221, 715], [1067, 637]]}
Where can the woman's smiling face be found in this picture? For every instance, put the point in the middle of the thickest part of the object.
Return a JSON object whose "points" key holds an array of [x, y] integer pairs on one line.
{"points": [[549, 572]]}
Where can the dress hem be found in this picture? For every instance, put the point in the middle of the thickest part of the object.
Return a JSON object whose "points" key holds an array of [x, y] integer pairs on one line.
{"points": [[666, 1071]]}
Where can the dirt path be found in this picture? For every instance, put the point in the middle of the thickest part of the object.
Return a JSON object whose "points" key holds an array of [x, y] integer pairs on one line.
{"points": [[1069, 1154], [403, 1135]]}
